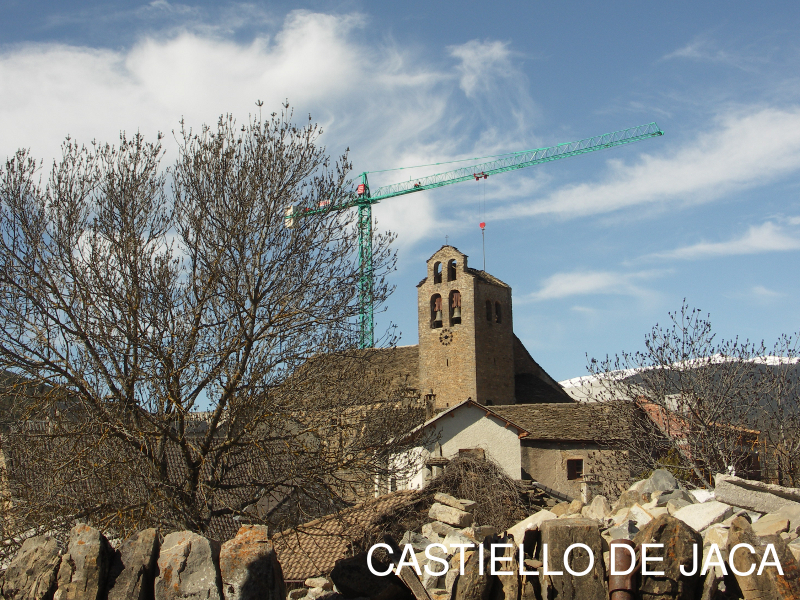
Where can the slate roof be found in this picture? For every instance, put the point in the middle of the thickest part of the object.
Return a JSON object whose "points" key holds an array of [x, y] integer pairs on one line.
{"points": [[312, 549], [577, 422]]}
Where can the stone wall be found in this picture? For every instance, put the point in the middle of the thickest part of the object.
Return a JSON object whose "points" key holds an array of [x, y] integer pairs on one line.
{"points": [[146, 567], [473, 358]]}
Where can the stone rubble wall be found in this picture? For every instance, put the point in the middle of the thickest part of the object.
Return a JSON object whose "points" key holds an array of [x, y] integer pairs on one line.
{"points": [[657, 510]]}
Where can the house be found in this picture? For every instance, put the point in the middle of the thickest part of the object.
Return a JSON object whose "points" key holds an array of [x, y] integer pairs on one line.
{"points": [[564, 447]]}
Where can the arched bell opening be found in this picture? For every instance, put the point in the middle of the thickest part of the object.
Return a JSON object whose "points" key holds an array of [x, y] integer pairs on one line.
{"points": [[436, 311], [437, 273], [451, 269], [498, 315], [489, 311], [455, 307]]}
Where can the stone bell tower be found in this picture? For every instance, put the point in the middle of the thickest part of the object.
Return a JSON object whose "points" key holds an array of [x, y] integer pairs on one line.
{"points": [[466, 339]]}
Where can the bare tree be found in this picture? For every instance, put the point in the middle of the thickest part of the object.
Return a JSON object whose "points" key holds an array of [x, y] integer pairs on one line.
{"points": [[173, 352], [699, 406]]}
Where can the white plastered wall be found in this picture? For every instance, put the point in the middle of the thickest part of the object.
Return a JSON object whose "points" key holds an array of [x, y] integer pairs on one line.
{"points": [[470, 427]]}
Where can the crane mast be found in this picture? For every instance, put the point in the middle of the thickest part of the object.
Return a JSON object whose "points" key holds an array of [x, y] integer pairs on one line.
{"points": [[364, 199]]}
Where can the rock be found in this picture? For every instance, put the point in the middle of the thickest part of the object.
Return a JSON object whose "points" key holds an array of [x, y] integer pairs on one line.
{"points": [[794, 548], [701, 496], [701, 516], [657, 511], [674, 506], [441, 528], [771, 524], [506, 587], [678, 540], [532, 523], [314, 582], [627, 530], [418, 542], [448, 500], [456, 538], [639, 515], [33, 570], [770, 584], [660, 480], [132, 571], [433, 581], [429, 533], [84, 568], [250, 570], [187, 568], [664, 498], [638, 485], [788, 511], [352, 578], [472, 585], [574, 508], [755, 495], [600, 507], [315, 593], [479, 533], [560, 509], [716, 534], [559, 534], [450, 515], [297, 594], [629, 498]]}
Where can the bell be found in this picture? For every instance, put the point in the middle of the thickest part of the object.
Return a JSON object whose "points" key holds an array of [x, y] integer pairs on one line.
{"points": [[457, 312], [438, 316]]}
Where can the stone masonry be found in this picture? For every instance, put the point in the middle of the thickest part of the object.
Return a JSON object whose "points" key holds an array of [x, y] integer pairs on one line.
{"points": [[473, 358]]}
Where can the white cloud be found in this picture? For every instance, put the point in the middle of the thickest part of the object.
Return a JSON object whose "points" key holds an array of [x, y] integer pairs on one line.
{"points": [[481, 63], [581, 283], [744, 150], [767, 237], [707, 50], [763, 293]]}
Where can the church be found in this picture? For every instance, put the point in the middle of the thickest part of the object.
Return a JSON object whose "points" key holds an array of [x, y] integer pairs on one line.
{"points": [[467, 348]]}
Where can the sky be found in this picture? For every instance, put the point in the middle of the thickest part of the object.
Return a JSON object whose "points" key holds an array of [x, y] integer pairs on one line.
{"points": [[597, 249]]}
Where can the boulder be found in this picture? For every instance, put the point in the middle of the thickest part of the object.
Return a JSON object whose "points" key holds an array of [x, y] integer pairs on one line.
{"points": [[674, 506], [84, 568], [456, 538], [772, 524], [600, 507], [559, 534], [630, 498], [639, 515], [418, 542], [506, 587], [429, 533], [353, 579], [679, 541], [132, 571], [441, 528], [716, 534], [701, 516], [660, 480], [250, 570], [452, 516], [560, 509], [322, 583], [666, 497], [626, 530], [575, 507], [297, 594], [472, 585], [755, 495], [479, 533], [188, 568], [459, 503], [531, 523], [770, 584], [702, 495], [33, 570]]}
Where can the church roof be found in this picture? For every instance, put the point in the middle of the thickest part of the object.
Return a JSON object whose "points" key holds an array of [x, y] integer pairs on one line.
{"points": [[576, 422]]}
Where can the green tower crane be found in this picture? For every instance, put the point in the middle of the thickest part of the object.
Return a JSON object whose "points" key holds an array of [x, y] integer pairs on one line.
{"points": [[364, 198]]}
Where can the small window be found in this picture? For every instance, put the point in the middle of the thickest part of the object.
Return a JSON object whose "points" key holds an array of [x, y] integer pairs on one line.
{"points": [[437, 273], [489, 311], [574, 468], [478, 453], [436, 311], [498, 317], [451, 270], [455, 307]]}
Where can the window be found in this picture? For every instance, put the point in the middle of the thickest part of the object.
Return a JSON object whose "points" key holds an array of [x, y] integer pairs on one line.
{"points": [[436, 311], [437, 273], [455, 307], [478, 453], [574, 468], [498, 317], [451, 270], [489, 311]]}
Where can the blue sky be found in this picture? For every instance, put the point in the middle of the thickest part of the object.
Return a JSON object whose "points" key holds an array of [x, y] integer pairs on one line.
{"points": [[597, 248]]}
